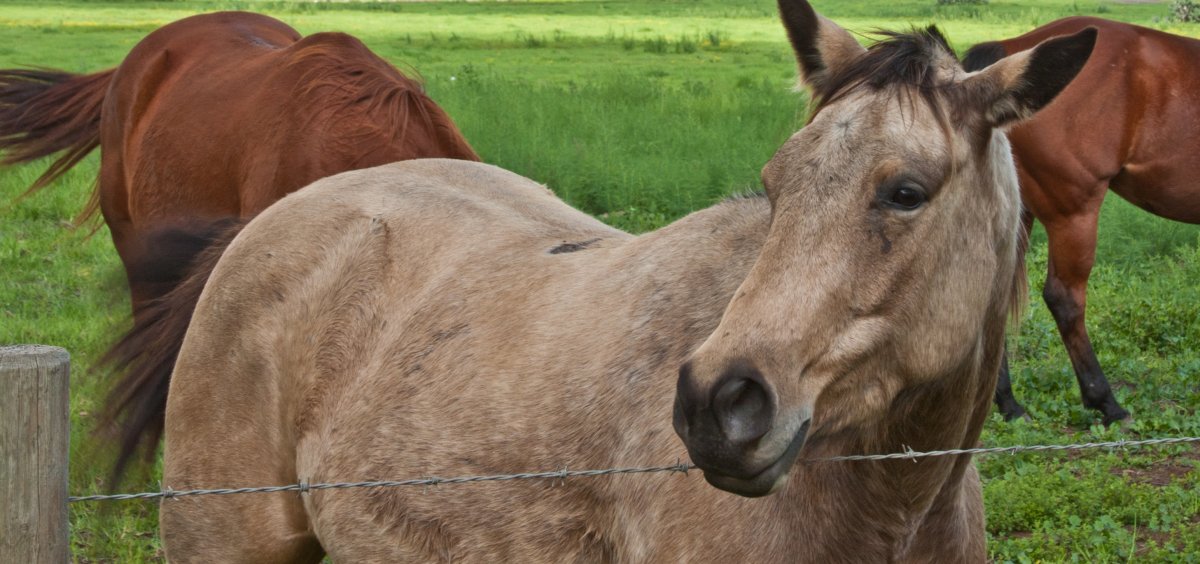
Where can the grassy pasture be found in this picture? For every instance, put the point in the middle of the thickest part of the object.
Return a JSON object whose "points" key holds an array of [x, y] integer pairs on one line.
{"points": [[640, 112]]}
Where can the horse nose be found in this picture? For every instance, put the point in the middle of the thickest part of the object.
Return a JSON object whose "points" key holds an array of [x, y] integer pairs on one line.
{"points": [[742, 404]]}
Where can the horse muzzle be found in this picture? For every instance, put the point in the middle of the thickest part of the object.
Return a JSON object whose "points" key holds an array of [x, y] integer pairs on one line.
{"points": [[730, 430], [767, 481]]}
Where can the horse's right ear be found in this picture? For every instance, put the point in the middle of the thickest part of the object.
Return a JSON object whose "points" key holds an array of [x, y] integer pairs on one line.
{"points": [[1019, 85], [821, 46]]}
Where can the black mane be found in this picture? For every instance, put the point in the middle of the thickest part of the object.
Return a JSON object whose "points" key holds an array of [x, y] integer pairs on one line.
{"points": [[899, 59]]}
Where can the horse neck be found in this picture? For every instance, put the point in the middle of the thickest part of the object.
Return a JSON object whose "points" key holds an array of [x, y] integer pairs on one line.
{"points": [[673, 284], [846, 510], [446, 137], [913, 510], [387, 115], [704, 256]]}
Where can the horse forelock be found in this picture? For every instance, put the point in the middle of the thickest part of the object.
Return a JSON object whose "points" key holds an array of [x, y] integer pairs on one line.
{"points": [[910, 63]]}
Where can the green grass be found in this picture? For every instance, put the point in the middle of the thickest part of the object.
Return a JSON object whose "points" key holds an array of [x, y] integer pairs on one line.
{"points": [[640, 112]]}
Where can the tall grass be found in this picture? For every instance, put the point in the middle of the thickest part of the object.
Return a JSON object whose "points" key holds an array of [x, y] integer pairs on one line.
{"points": [[621, 145]]}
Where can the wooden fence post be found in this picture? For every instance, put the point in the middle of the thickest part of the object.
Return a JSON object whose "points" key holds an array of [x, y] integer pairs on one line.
{"points": [[34, 440]]}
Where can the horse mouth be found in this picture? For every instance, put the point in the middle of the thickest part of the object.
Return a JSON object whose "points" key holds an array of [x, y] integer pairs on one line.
{"points": [[770, 480]]}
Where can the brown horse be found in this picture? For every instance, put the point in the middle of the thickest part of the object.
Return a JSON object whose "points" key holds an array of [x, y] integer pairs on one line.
{"points": [[213, 116], [218, 115], [445, 317], [1128, 124]]}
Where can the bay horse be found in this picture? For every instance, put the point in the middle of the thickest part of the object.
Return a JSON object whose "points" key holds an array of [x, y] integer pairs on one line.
{"points": [[205, 123], [213, 116], [1126, 124], [446, 317]]}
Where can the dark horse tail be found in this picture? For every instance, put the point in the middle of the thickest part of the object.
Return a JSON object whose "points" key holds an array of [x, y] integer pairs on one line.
{"points": [[43, 112], [145, 356]]}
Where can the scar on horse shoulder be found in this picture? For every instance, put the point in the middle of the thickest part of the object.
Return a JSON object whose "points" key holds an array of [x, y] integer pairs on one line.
{"points": [[572, 247]]}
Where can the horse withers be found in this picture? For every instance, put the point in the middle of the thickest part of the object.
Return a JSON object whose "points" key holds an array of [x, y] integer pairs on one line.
{"points": [[422, 318], [205, 123], [1127, 123]]}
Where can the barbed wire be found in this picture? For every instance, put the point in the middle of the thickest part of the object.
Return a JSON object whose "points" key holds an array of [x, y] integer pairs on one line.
{"points": [[908, 453], [679, 467], [682, 467]]}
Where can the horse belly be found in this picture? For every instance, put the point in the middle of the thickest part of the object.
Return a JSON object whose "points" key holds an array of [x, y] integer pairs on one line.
{"points": [[1167, 189]]}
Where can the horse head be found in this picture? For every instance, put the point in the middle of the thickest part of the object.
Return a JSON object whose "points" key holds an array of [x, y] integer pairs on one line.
{"points": [[890, 264]]}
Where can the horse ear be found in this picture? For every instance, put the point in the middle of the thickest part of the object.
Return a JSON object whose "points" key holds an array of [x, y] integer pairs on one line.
{"points": [[821, 46], [1017, 86]]}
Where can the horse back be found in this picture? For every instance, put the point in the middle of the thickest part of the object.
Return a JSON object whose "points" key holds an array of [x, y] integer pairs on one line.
{"points": [[245, 110], [298, 299], [402, 229]]}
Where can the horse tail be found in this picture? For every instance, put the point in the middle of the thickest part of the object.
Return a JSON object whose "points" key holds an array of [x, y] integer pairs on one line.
{"points": [[145, 356], [43, 112], [983, 55]]}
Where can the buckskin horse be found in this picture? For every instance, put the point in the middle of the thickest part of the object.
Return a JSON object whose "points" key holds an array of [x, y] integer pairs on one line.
{"points": [[443, 317], [1127, 123], [217, 116], [213, 117]]}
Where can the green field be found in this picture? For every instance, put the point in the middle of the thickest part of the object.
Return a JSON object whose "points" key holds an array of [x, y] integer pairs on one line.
{"points": [[640, 112]]}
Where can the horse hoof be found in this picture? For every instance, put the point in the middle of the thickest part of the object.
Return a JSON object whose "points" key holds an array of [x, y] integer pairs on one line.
{"points": [[1011, 415], [1120, 421]]}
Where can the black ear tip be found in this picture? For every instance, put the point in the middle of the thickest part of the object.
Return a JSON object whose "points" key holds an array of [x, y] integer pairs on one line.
{"points": [[1068, 53], [798, 13], [1081, 42], [1087, 37], [1091, 33], [795, 6], [802, 25]]}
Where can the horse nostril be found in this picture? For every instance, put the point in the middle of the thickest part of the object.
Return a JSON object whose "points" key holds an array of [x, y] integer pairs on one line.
{"points": [[743, 405]]}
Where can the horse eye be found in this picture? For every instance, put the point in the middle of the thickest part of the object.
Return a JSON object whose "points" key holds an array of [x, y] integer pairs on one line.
{"points": [[906, 196]]}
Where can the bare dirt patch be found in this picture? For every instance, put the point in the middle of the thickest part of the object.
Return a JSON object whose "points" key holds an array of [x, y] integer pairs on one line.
{"points": [[1157, 474]]}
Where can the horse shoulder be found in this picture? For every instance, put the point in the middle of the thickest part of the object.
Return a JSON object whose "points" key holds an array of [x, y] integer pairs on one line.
{"points": [[280, 295]]}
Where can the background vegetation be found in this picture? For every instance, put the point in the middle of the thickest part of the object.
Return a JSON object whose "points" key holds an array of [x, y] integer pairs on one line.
{"points": [[639, 112]]}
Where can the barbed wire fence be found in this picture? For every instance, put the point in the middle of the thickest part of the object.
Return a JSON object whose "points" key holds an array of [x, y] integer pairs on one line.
{"points": [[680, 467], [37, 457]]}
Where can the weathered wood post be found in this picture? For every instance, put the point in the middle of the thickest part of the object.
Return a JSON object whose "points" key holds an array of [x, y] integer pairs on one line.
{"points": [[34, 438]]}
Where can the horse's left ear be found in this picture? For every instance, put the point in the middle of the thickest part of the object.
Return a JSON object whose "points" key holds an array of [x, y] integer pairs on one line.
{"points": [[821, 46], [1017, 86]]}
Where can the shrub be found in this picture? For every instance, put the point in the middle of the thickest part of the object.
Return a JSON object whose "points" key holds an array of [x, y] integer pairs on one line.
{"points": [[1185, 11]]}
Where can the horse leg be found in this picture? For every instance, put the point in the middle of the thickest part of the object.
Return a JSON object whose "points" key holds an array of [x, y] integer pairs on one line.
{"points": [[249, 528], [1072, 252], [223, 432], [1006, 402]]}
